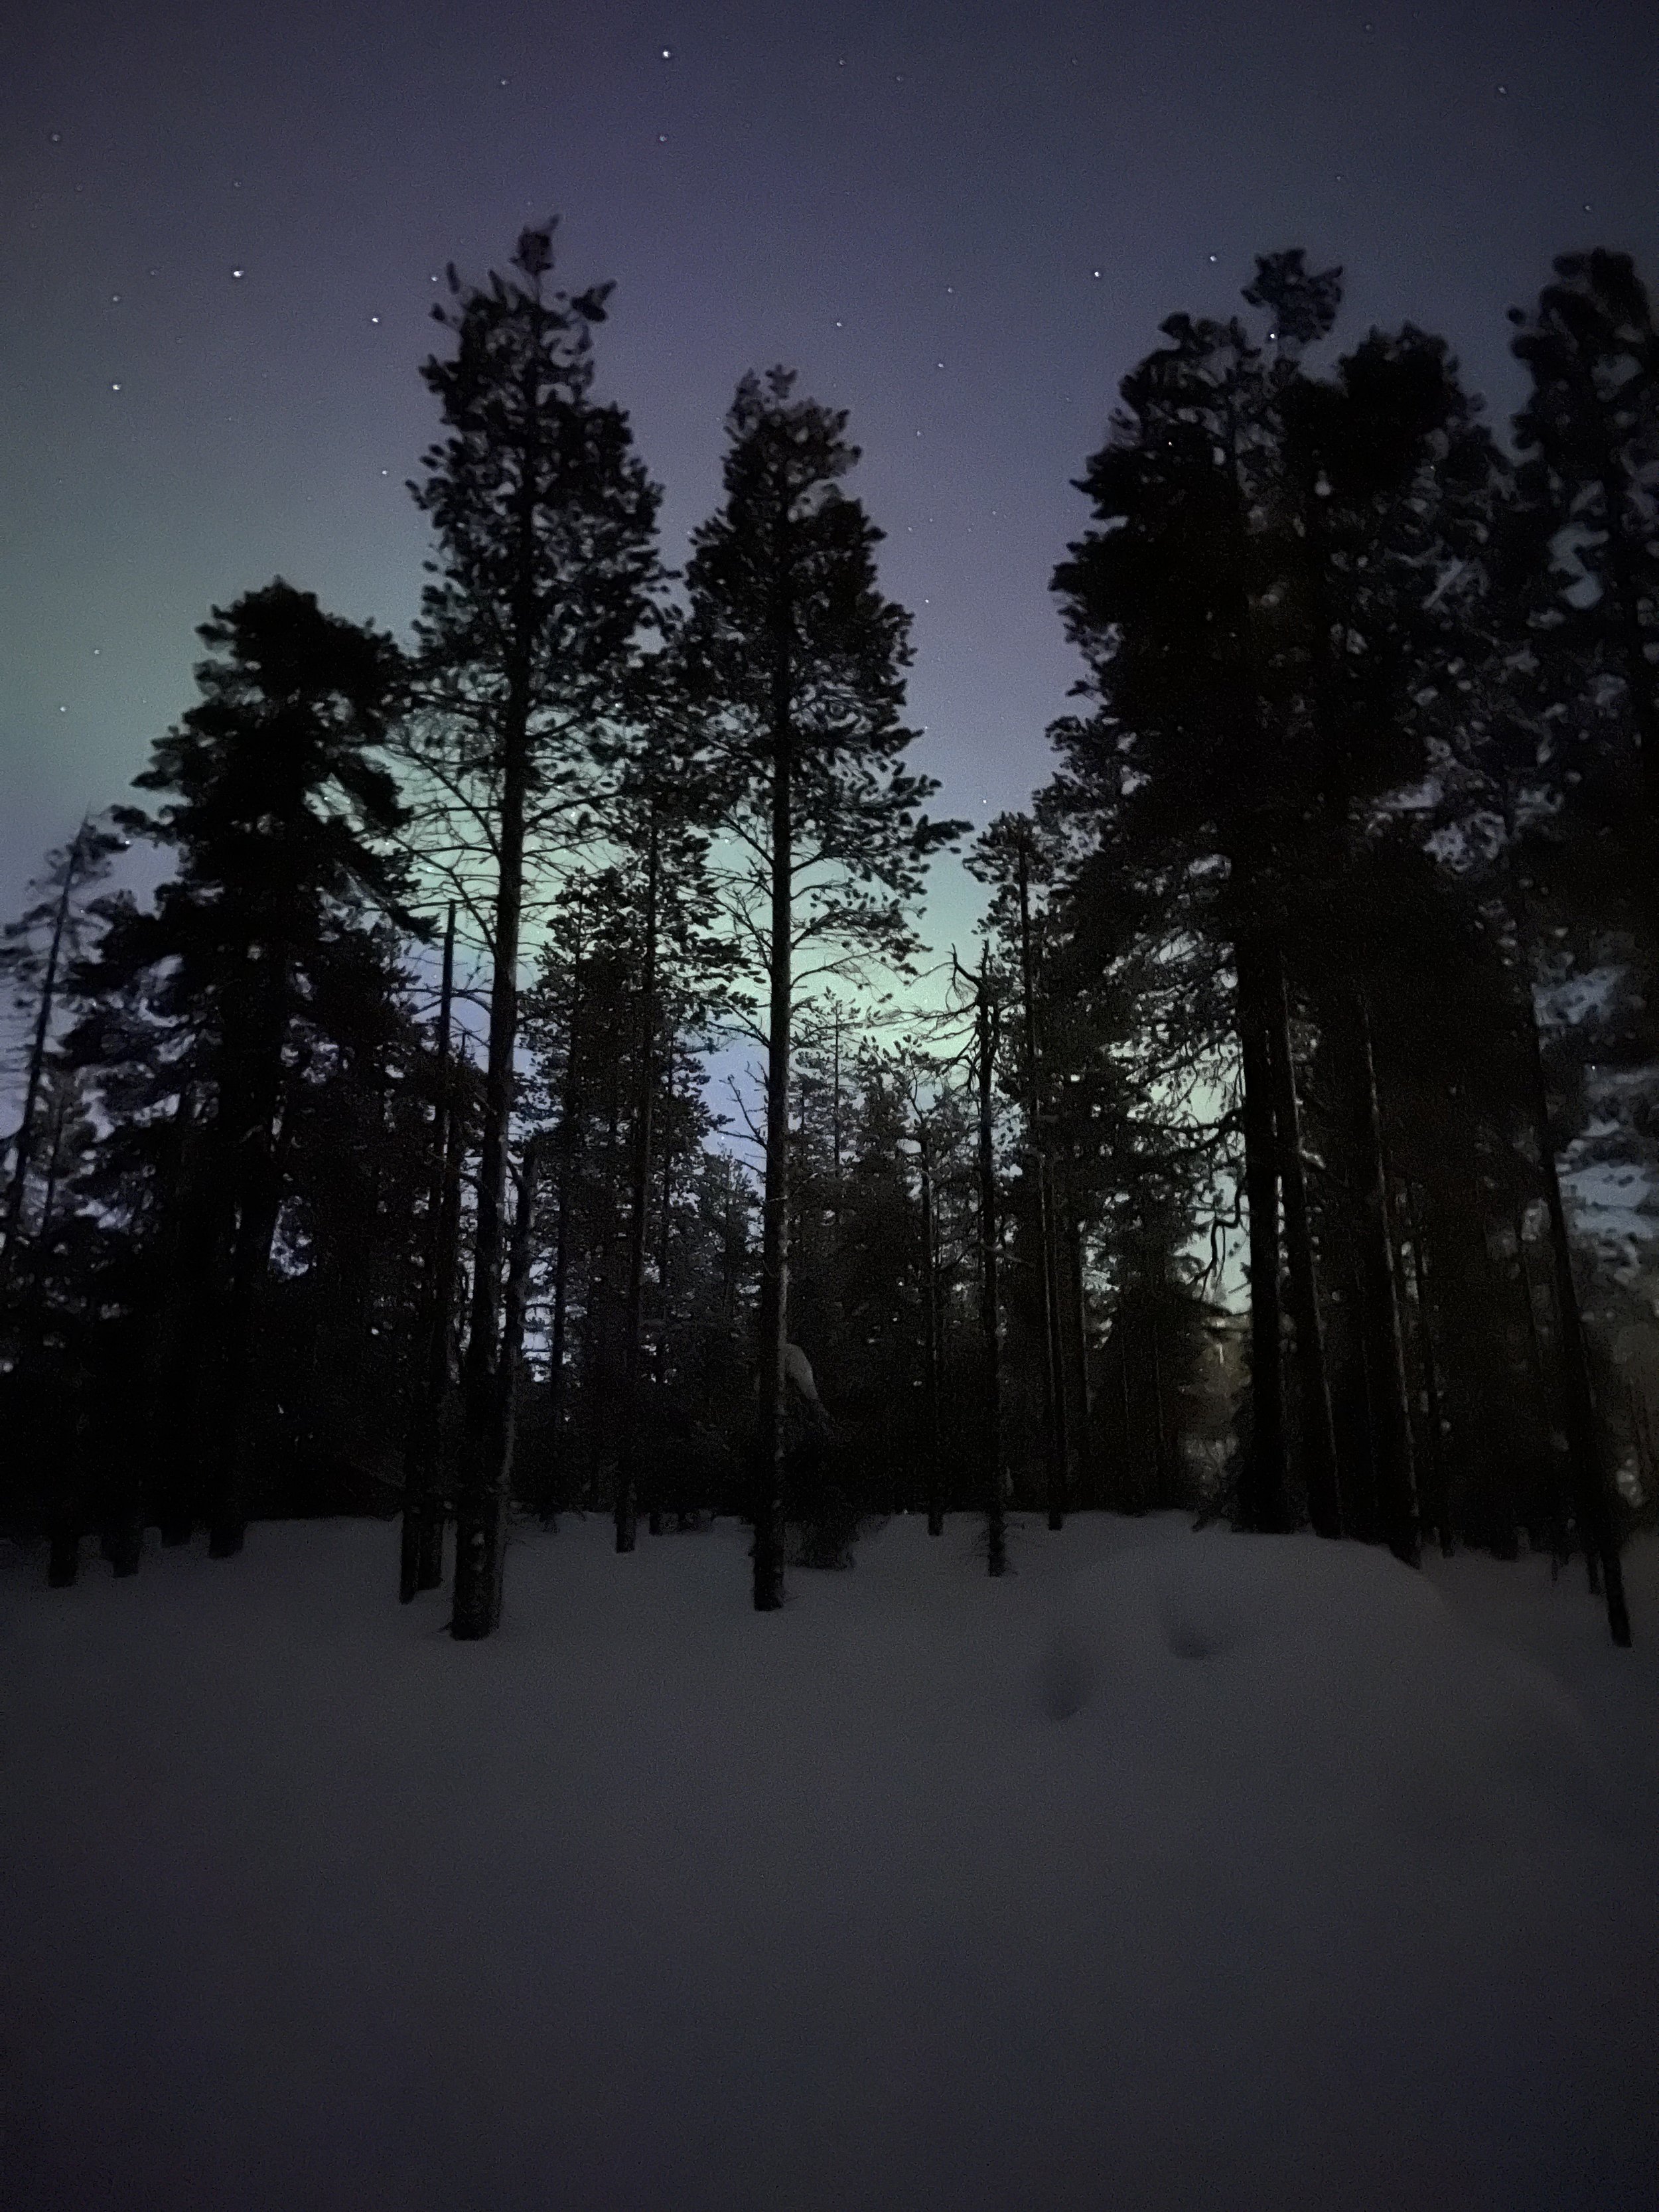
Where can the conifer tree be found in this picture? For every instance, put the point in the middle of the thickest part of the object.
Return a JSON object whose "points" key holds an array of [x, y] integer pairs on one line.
{"points": [[543, 578], [281, 813], [36, 952], [796, 664]]}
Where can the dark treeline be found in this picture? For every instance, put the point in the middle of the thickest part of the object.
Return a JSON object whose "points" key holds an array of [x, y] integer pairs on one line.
{"points": [[375, 1163]]}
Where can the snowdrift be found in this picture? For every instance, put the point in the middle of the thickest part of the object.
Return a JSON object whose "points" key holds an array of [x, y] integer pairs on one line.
{"points": [[1174, 1871]]}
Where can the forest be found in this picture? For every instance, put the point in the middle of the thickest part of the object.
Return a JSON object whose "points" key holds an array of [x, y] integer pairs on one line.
{"points": [[498, 1073]]}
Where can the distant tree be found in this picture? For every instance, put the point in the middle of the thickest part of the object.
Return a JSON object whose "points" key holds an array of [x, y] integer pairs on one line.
{"points": [[1008, 854], [653, 815], [796, 665], [36, 952], [542, 583]]}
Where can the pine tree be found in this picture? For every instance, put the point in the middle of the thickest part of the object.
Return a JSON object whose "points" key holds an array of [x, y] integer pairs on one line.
{"points": [[796, 663], [543, 583], [36, 952], [1255, 603], [205, 1017]]}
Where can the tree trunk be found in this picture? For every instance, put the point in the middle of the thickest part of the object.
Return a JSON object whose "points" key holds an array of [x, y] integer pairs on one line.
{"points": [[429, 1570], [1086, 1445], [1319, 1431], [252, 1109], [481, 1505], [996, 1519], [568, 1103], [39, 1038], [1054, 1380], [1591, 1500], [627, 1517], [517, 1292], [255, 1231], [1385, 1352], [1558, 1506], [1437, 1466], [1262, 1503], [774, 1210], [184, 1271], [1161, 1453], [422, 1444], [664, 1223], [930, 1337]]}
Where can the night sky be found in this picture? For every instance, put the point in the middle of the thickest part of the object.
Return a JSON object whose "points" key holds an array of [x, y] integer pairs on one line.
{"points": [[962, 222]]}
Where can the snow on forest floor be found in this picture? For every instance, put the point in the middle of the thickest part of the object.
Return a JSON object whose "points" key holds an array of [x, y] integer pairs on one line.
{"points": [[1175, 1871]]}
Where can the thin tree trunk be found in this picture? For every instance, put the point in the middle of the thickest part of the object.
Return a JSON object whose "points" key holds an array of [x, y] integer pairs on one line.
{"points": [[655, 1509], [513, 1316], [252, 1108], [422, 1444], [67, 1517], [1129, 1465], [569, 1103], [996, 1519], [1262, 1499], [255, 1232], [429, 1568], [1319, 1429], [665, 1227], [1591, 1498], [1558, 1504], [627, 1517], [835, 1124], [481, 1507], [1086, 1444], [1437, 1466], [596, 1380], [1386, 1361], [49, 1195], [181, 1278], [40, 1036], [481, 1501], [774, 1210], [930, 1336], [1053, 1381]]}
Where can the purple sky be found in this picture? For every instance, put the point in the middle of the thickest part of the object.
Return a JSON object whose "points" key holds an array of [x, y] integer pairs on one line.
{"points": [[963, 222]]}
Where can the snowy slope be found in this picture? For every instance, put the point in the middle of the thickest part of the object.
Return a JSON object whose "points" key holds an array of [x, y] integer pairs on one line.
{"points": [[1175, 1871]]}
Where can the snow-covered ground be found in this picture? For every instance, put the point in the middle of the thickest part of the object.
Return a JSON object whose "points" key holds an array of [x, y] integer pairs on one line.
{"points": [[1175, 1871]]}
